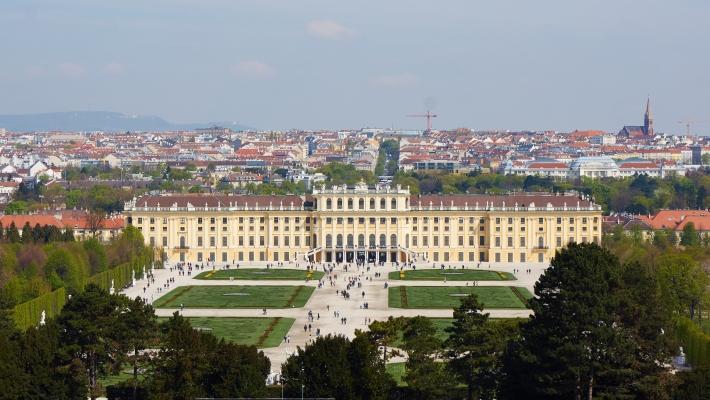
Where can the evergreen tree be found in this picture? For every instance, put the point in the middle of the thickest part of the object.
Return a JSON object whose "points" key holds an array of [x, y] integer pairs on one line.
{"points": [[474, 347], [194, 364], [13, 235], [332, 366], [37, 234], [574, 343], [51, 373], [13, 379], [690, 237], [67, 236], [427, 377], [136, 330], [27, 233], [87, 334], [384, 333]]}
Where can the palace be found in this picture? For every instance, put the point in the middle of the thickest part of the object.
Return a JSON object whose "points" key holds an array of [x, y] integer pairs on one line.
{"points": [[363, 224]]}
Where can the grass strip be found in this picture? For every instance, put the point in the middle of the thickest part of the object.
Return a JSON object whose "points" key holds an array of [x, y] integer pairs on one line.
{"points": [[520, 296], [177, 293]]}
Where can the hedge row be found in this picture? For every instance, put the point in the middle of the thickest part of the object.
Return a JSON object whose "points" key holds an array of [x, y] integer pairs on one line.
{"points": [[696, 343], [121, 275], [29, 313]]}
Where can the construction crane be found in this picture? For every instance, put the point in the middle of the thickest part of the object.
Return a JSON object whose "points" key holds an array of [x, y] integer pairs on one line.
{"points": [[689, 123], [428, 117]]}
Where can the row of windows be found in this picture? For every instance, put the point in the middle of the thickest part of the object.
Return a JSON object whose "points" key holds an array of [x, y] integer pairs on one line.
{"points": [[361, 220], [241, 241], [241, 220], [360, 204], [286, 256]]}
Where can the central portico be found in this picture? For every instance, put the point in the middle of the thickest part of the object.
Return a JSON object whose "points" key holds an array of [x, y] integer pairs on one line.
{"points": [[360, 224]]}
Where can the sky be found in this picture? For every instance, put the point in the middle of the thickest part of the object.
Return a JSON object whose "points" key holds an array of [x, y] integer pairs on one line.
{"points": [[317, 64]]}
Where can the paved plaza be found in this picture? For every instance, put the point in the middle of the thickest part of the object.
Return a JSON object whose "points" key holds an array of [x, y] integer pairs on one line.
{"points": [[326, 302]]}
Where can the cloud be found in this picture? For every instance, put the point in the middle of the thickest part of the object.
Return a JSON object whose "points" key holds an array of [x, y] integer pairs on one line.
{"points": [[113, 68], [253, 69], [404, 79], [326, 29], [71, 70]]}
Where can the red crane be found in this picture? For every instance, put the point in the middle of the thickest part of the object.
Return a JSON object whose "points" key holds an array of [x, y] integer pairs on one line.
{"points": [[428, 117]]}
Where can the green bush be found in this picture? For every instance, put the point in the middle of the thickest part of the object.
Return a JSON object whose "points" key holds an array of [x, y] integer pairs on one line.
{"points": [[29, 313]]}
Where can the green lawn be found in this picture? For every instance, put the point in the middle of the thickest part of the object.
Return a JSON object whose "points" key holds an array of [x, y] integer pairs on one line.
{"points": [[397, 371], [236, 297], [260, 332], [259, 273], [450, 296], [452, 275], [125, 374]]}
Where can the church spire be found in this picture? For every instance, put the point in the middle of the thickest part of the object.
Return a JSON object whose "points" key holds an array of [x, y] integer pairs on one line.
{"points": [[648, 119]]}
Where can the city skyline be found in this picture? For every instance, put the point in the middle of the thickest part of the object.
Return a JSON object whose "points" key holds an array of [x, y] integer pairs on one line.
{"points": [[316, 65]]}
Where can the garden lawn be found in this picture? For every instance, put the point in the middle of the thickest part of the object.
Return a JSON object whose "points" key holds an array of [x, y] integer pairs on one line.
{"points": [[452, 275], [450, 296], [397, 371], [235, 297], [259, 273], [261, 332]]}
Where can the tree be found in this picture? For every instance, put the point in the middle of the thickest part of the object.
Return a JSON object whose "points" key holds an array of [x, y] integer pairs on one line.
{"points": [[88, 335], [51, 373], [193, 364], [136, 330], [16, 207], [573, 343], [332, 366], [645, 315], [27, 233], [474, 347], [13, 379], [384, 333], [13, 235], [682, 282], [425, 375], [95, 220], [690, 237]]}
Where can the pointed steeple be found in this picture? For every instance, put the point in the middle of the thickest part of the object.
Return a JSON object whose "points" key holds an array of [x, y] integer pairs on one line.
{"points": [[648, 119]]}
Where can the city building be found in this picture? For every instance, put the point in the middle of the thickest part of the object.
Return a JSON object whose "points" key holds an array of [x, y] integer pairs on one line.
{"points": [[640, 131], [364, 224]]}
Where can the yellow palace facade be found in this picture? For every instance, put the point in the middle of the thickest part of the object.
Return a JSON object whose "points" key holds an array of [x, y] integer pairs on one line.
{"points": [[364, 224]]}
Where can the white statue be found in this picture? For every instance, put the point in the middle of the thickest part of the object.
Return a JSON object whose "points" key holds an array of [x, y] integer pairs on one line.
{"points": [[111, 289], [42, 318], [144, 275], [133, 277]]}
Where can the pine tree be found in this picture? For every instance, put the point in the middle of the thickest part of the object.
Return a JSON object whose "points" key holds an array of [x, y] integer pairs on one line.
{"points": [[13, 235], [27, 233], [474, 347], [574, 340]]}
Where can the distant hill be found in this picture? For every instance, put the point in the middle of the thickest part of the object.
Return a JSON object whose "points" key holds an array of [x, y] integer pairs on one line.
{"points": [[76, 121]]}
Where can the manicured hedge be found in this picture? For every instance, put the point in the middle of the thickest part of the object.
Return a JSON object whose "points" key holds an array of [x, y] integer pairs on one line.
{"points": [[29, 313], [121, 274], [695, 342]]}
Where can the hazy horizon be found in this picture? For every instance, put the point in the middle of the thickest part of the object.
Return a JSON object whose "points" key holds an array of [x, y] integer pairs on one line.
{"points": [[274, 64]]}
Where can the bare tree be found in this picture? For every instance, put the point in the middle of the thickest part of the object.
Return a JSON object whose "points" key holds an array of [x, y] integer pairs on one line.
{"points": [[95, 221]]}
